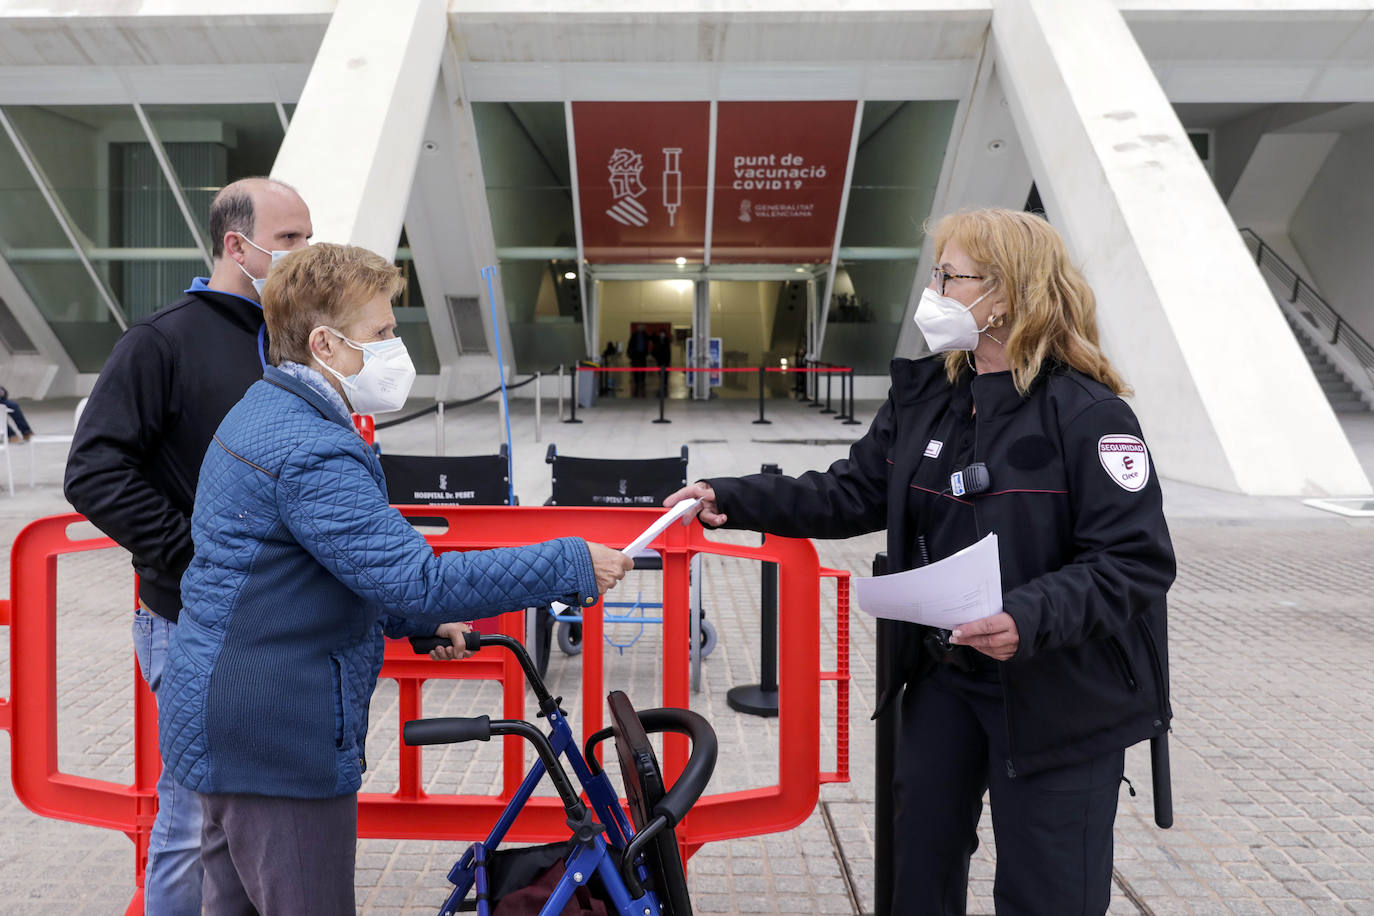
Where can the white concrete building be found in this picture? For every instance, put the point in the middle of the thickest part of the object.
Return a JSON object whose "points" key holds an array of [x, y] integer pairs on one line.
{"points": [[756, 173]]}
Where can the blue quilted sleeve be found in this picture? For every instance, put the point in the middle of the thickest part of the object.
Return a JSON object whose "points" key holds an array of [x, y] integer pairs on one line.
{"points": [[332, 505]]}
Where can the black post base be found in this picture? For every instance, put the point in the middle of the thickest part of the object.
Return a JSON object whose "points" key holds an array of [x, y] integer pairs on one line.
{"points": [[763, 422], [660, 420], [754, 700]]}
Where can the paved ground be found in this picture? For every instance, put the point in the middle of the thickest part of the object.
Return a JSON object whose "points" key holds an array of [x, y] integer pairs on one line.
{"points": [[1272, 629]]}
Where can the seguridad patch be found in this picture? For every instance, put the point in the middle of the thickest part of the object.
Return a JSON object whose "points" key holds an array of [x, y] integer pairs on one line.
{"points": [[1126, 461]]}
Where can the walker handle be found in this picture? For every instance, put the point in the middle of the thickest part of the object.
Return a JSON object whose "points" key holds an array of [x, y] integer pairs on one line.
{"points": [[449, 730], [423, 645]]}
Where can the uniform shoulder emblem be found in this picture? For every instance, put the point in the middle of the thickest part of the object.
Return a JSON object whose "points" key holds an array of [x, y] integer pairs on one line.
{"points": [[1125, 460]]}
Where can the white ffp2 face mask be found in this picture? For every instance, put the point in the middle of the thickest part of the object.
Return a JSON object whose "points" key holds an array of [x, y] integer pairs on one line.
{"points": [[276, 254], [383, 383], [947, 323]]}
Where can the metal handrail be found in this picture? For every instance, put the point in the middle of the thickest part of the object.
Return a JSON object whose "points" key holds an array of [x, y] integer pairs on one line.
{"points": [[1300, 292]]}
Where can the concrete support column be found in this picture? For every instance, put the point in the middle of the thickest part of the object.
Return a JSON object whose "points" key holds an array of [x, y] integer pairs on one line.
{"points": [[700, 384], [1223, 392], [985, 166], [353, 141]]}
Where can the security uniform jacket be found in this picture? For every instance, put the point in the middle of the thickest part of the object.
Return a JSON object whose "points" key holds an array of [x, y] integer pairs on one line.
{"points": [[1086, 559]]}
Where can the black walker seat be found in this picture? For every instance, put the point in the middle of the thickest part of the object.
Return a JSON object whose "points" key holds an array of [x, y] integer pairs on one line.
{"points": [[644, 791], [610, 864]]}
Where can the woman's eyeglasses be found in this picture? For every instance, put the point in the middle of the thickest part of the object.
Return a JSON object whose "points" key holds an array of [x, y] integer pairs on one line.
{"points": [[939, 276]]}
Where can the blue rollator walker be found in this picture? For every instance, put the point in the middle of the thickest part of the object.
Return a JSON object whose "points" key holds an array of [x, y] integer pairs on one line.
{"points": [[615, 482], [631, 866]]}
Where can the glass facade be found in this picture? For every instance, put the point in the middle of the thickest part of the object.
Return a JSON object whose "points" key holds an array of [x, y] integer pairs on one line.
{"points": [[525, 165], [83, 185], [896, 168], [105, 179]]}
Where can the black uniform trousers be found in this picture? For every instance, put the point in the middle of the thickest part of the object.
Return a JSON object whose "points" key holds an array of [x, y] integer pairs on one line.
{"points": [[268, 856], [1053, 829]]}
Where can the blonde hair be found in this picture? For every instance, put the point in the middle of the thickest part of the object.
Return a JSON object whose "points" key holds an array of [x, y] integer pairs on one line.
{"points": [[1051, 310], [322, 284]]}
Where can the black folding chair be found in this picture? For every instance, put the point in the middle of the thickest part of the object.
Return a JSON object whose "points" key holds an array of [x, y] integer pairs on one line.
{"points": [[601, 482]]}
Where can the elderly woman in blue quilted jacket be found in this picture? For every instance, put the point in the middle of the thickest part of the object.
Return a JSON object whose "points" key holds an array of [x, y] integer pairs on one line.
{"points": [[300, 566]]}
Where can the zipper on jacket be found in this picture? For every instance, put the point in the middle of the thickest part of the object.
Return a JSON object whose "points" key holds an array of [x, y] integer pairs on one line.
{"points": [[1124, 663], [336, 669]]}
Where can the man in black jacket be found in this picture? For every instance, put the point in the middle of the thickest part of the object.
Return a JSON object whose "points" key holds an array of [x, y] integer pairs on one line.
{"points": [[137, 452]]}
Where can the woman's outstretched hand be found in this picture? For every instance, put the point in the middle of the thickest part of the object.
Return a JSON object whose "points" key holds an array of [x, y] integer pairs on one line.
{"points": [[707, 509], [609, 564]]}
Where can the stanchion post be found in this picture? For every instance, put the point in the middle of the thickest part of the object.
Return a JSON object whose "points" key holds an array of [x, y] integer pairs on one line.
{"points": [[884, 764], [662, 393], [439, 428], [538, 404], [849, 419], [761, 699], [560, 392], [829, 373], [815, 382], [762, 377], [575, 379]]}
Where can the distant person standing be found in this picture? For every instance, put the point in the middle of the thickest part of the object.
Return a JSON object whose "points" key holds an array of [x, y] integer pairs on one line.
{"points": [[637, 349], [138, 448], [663, 355]]}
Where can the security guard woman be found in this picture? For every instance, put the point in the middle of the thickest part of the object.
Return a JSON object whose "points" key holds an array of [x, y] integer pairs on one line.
{"points": [[1036, 704]]}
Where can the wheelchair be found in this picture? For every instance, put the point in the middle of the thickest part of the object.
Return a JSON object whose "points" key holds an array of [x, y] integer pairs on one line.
{"points": [[631, 482], [611, 864]]}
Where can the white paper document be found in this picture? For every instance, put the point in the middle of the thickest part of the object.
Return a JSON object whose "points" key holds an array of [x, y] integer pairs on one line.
{"points": [[639, 546], [963, 587]]}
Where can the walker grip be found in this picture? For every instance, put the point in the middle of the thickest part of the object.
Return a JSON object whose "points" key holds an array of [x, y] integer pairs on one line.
{"points": [[423, 645], [450, 730]]}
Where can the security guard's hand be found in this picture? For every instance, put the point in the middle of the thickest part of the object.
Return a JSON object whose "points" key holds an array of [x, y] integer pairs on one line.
{"points": [[610, 566], [707, 509], [995, 636], [453, 632]]}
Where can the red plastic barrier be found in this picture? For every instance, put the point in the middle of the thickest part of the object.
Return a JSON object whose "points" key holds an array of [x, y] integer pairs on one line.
{"points": [[30, 713]]}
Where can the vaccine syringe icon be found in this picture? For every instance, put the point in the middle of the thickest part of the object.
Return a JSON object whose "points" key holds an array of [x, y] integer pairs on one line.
{"points": [[672, 181]]}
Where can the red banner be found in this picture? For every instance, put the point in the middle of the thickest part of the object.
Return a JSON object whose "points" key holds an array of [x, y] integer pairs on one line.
{"points": [[641, 171], [780, 170]]}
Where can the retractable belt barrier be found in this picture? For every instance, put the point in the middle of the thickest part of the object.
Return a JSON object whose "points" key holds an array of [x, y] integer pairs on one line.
{"points": [[30, 712]]}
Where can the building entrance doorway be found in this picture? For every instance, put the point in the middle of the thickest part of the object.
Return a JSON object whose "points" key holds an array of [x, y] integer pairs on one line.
{"points": [[742, 322]]}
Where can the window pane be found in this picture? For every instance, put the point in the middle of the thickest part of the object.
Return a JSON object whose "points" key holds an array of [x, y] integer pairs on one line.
{"points": [[896, 167], [33, 242]]}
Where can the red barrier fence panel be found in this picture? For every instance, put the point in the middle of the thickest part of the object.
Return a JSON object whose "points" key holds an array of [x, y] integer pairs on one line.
{"points": [[30, 712], [840, 675]]}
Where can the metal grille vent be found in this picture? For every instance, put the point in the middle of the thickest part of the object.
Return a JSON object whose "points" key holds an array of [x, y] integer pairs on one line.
{"points": [[466, 314], [12, 334]]}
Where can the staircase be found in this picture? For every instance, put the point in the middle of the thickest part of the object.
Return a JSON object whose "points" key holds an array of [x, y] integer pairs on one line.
{"points": [[1313, 322], [1343, 396]]}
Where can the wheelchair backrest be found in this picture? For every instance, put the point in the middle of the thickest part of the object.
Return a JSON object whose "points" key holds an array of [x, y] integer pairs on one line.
{"points": [[459, 480], [634, 482], [644, 789]]}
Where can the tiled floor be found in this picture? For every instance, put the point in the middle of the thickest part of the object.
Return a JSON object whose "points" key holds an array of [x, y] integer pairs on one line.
{"points": [[1272, 629]]}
